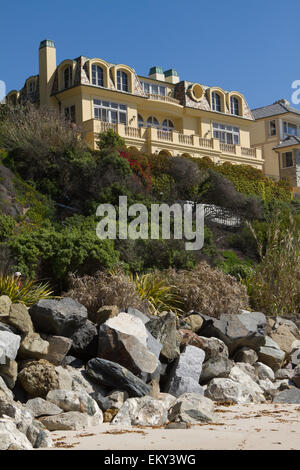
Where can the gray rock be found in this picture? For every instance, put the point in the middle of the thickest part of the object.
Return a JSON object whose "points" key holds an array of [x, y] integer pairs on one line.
{"points": [[213, 347], [40, 407], [9, 372], [271, 355], [5, 304], [281, 374], [295, 357], [11, 438], [39, 436], [263, 371], [135, 312], [163, 328], [85, 341], [125, 340], [33, 347], [246, 355], [20, 318], [291, 395], [9, 343], [215, 367], [65, 380], [69, 400], [145, 411], [112, 376], [296, 376], [82, 382], [3, 388], [71, 421], [59, 347], [192, 408], [236, 331], [248, 369], [251, 390], [58, 317], [268, 387], [185, 373], [73, 362]]}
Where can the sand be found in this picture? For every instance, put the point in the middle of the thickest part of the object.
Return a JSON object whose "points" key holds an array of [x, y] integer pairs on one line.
{"points": [[239, 427]]}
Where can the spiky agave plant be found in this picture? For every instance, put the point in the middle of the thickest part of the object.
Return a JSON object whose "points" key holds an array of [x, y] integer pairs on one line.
{"points": [[28, 292], [154, 289]]}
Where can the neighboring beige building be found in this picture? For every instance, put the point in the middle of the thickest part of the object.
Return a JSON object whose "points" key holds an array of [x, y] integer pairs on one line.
{"points": [[277, 131], [157, 113]]}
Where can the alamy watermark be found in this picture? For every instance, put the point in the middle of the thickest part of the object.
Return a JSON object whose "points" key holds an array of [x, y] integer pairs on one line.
{"points": [[181, 222], [2, 92]]}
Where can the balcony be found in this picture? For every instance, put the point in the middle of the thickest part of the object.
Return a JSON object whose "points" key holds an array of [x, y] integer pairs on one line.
{"points": [[151, 139], [165, 99]]}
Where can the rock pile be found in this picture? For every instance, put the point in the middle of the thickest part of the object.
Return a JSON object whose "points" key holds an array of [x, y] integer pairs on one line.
{"points": [[62, 369]]}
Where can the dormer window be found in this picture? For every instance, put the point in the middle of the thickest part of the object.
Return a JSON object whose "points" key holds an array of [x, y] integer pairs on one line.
{"points": [[153, 89], [97, 75], [122, 81], [234, 106], [216, 102], [68, 77]]}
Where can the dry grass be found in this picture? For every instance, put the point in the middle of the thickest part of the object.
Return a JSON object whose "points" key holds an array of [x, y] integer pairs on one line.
{"points": [[208, 290], [106, 288]]}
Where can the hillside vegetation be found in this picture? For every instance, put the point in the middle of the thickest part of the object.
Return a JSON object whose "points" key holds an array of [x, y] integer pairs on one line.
{"points": [[51, 183]]}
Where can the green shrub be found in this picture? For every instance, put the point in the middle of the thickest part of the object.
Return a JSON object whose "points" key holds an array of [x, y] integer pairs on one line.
{"points": [[7, 225], [233, 265]]}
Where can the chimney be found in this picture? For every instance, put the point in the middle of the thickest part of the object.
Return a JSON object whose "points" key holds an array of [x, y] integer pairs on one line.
{"points": [[47, 68], [157, 73], [171, 76]]}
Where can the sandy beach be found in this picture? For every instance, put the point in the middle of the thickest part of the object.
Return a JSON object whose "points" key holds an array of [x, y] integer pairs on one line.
{"points": [[239, 427]]}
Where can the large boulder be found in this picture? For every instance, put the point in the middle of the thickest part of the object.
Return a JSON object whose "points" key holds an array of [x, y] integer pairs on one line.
{"points": [[85, 341], [192, 321], [39, 436], [103, 314], [5, 304], [39, 407], [59, 347], [114, 376], [263, 371], [192, 408], [125, 340], [5, 390], [58, 317], [185, 372], [37, 378], [236, 331], [82, 382], [163, 328], [295, 356], [9, 372], [290, 395], [274, 323], [282, 335], [33, 347], [271, 354], [9, 345], [296, 376], [145, 411], [74, 401], [237, 388], [11, 438], [71, 421], [19, 318], [215, 367], [245, 354], [213, 347]]}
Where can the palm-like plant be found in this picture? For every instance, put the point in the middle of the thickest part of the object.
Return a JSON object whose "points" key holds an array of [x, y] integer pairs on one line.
{"points": [[157, 292], [29, 292]]}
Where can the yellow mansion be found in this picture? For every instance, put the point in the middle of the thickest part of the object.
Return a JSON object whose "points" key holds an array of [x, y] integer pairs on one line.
{"points": [[157, 113]]}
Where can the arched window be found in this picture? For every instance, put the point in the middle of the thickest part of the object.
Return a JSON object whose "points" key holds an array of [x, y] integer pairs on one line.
{"points": [[152, 122], [122, 81], [216, 102], [97, 75], [68, 77], [234, 106], [140, 121], [167, 125]]}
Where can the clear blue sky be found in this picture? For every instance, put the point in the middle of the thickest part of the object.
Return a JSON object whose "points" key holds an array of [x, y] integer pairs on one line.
{"points": [[249, 46]]}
